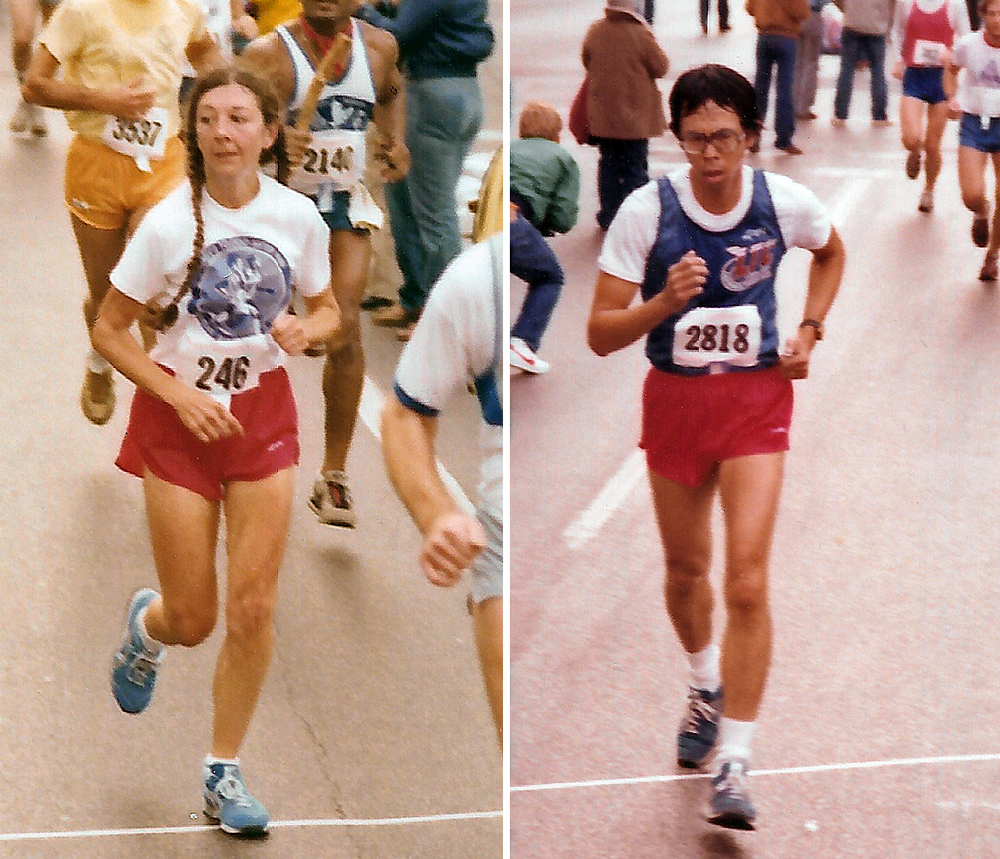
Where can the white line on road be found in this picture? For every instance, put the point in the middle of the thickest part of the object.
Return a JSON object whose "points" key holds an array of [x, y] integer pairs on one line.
{"points": [[611, 497], [276, 824], [370, 412], [818, 768]]}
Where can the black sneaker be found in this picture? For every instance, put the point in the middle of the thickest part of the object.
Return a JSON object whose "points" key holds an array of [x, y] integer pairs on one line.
{"points": [[700, 728], [730, 805]]}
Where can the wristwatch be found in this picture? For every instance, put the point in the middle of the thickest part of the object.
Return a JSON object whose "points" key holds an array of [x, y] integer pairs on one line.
{"points": [[815, 324]]}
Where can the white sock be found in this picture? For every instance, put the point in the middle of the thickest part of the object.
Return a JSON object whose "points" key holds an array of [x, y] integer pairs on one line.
{"points": [[153, 646], [96, 363], [705, 668], [229, 762], [734, 739]]}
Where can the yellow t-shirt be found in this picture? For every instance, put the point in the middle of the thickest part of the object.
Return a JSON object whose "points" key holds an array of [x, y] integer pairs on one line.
{"points": [[270, 13], [106, 43]]}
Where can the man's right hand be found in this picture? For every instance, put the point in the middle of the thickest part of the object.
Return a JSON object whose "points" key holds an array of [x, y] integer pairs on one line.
{"points": [[450, 546], [296, 144]]}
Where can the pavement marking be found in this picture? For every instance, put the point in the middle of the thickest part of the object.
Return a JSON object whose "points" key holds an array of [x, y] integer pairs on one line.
{"points": [[817, 768], [275, 824], [370, 412], [611, 497]]}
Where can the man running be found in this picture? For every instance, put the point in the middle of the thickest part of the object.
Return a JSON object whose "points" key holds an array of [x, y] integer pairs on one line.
{"points": [[330, 169]]}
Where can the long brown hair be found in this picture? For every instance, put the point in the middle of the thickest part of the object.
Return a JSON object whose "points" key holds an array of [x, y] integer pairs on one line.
{"points": [[270, 108]]}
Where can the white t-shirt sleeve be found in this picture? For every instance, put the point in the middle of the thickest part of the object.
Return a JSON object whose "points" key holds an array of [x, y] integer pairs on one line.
{"points": [[453, 342], [803, 220], [139, 273], [312, 275], [632, 235]]}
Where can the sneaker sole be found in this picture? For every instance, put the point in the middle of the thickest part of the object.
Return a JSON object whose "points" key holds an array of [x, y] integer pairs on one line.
{"points": [[731, 820], [250, 831], [339, 523]]}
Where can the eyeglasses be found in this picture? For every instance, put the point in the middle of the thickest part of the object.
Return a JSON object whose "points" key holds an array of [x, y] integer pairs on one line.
{"points": [[724, 140]]}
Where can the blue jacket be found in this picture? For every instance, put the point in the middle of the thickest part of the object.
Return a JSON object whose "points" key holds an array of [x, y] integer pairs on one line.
{"points": [[437, 38]]}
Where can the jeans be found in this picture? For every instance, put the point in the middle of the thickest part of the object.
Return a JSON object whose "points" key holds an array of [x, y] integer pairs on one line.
{"points": [[807, 51], [443, 116], [622, 167], [723, 14], [853, 47], [532, 260], [780, 51]]}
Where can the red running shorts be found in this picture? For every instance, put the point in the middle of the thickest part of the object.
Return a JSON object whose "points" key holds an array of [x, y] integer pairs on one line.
{"points": [[692, 423], [157, 441]]}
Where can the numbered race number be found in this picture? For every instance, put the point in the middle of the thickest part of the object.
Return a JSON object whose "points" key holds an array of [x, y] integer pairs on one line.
{"points": [[336, 159], [142, 139], [927, 53], [220, 375], [989, 98], [718, 335]]}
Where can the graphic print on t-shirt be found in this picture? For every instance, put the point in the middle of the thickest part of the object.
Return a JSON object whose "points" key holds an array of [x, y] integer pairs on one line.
{"points": [[750, 262], [244, 283]]}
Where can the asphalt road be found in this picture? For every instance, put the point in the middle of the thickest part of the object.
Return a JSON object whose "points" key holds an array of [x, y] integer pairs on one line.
{"points": [[877, 735], [372, 738]]}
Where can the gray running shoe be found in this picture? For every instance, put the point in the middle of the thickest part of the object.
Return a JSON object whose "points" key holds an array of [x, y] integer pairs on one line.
{"points": [[700, 728], [331, 500], [730, 805]]}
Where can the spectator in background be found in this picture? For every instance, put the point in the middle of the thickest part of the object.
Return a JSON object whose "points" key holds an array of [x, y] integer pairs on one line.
{"points": [[779, 23], [807, 54], [624, 104], [544, 191], [723, 15], [441, 43], [866, 23]]}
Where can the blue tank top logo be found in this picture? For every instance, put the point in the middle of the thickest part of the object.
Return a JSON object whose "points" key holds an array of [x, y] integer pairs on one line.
{"points": [[343, 113], [749, 265], [243, 284]]}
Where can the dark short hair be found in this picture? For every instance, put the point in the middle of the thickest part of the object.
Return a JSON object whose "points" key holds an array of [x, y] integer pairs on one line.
{"points": [[719, 84]]}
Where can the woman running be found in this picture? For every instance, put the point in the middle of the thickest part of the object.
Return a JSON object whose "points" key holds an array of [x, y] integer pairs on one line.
{"points": [[924, 30], [702, 247], [213, 426], [978, 104], [116, 66]]}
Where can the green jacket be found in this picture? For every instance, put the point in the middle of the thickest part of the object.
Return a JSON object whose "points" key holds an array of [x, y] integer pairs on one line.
{"points": [[546, 177]]}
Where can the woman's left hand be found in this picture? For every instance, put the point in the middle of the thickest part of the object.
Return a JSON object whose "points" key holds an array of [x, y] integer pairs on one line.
{"points": [[794, 361], [289, 334]]}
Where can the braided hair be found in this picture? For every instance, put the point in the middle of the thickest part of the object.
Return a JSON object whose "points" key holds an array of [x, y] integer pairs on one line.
{"points": [[270, 109]]}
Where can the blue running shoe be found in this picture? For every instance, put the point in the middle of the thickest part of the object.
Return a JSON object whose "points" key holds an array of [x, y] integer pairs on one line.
{"points": [[228, 801], [700, 728], [133, 668], [730, 804]]}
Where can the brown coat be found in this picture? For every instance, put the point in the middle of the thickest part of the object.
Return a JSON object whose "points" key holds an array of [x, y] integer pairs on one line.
{"points": [[779, 17], [623, 62]]}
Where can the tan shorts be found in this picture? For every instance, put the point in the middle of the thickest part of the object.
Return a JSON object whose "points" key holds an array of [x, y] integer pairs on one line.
{"points": [[104, 188]]}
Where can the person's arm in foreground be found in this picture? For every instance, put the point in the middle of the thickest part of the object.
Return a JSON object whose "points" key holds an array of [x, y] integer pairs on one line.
{"points": [[452, 539]]}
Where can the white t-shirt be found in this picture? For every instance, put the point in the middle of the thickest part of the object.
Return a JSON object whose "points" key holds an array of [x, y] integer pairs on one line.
{"points": [[979, 87], [803, 220], [252, 258], [455, 342]]}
